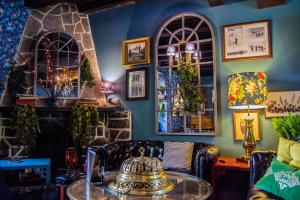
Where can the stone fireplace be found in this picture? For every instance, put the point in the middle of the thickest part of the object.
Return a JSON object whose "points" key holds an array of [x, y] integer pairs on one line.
{"points": [[53, 137]]}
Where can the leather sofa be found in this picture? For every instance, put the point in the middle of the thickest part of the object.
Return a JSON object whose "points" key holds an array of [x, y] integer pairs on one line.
{"points": [[112, 155], [259, 163]]}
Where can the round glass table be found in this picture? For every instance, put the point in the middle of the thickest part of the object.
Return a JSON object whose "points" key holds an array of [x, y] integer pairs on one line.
{"points": [[187, 187]]}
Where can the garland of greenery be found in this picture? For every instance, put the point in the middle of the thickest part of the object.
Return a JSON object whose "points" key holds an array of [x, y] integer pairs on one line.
{"points": [[25, 124], [86, 74], [83, 121], [287, 127], [188, 87]]}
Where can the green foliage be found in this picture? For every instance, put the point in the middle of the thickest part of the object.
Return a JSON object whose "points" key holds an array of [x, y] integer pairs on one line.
{"points": [[188, 87], [16, 82], [83, 121], [86, 74], [287, 127], [25, 124]]}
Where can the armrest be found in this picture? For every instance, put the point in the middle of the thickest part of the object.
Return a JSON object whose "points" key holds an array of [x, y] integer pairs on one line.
{"points": [[204, 159], [259, 163]]}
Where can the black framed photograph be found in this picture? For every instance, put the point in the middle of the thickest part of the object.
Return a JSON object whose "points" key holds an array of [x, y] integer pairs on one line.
{"points": [[136, 51], [247, 41], [137, 83]]}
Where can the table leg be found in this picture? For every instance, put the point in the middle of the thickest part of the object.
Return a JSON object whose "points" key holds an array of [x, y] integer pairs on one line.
{"points": [[48, 175], [62, 193]]}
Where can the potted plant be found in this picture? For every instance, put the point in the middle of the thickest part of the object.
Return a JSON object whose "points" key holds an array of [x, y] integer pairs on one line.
{"points": [[287, 127], [84, 119], [25, 125], [188, 87]]}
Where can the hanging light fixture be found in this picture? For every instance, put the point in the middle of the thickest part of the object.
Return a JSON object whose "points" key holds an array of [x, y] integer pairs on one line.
{"points": [[177, 56], [197, 55], [171, 51], [189, 51], [190, 48]]}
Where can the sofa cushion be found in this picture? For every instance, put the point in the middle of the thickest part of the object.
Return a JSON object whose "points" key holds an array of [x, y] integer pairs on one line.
{"points": [[178, 155], [283, 152], [282, 180], [295, 154]]}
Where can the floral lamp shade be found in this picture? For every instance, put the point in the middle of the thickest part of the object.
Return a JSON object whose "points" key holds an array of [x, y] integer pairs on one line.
{"points": [[247, 90]]}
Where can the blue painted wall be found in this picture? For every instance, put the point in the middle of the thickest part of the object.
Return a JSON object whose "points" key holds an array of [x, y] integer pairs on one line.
{"points": [[13, 16], [110, 28]]}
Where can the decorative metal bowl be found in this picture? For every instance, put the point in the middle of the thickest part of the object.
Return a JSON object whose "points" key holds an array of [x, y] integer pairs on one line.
{"points": [[141, 176]]}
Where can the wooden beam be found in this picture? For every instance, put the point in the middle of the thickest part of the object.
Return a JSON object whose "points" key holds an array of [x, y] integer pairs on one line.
{"points": [[86, 6], [269, 3], [216, 2], [98, 6], [35, 4]]}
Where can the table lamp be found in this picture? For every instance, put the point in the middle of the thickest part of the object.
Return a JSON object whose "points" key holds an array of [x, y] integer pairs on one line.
{"points": [[247, 90]]}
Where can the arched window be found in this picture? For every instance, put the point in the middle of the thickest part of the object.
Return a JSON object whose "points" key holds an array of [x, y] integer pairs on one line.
{"points": [[188, 37], [57, 58]]}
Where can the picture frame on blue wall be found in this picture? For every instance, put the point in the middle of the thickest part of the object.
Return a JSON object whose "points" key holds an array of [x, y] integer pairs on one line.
{"points": [[137, 84], [281, 103], [136, 51], [239, 124], [247, 41]]}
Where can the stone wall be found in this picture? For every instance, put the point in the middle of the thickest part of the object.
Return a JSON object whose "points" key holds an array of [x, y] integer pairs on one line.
{"points": [[118, 127], [62, 17]]}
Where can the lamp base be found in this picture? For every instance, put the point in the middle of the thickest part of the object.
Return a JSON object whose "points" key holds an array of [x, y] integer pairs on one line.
{"points": [[242, 159]]}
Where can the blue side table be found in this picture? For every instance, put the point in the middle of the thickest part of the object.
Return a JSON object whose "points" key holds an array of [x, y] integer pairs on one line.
{"points": [[41, 166]]}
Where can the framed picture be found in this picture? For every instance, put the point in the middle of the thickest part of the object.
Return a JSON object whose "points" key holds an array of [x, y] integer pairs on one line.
{"points": [[281, 103], [137, 82], [136, 51], [247, 41], [239, 124]]}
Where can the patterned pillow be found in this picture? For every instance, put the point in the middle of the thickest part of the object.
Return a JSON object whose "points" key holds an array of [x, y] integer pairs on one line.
{"points": [[282, 180]]}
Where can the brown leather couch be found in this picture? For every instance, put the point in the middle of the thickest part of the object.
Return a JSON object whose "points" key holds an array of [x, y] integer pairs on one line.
{"points": [[259, 163]]}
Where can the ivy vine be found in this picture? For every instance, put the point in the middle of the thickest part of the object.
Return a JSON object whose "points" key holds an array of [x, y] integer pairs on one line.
{"points": [[188, 87], [25, 124], [86, 74], [84, 119]]}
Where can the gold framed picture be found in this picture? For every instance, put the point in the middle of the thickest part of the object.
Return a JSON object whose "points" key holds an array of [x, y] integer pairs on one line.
{"points": [[239, 124], [247, 41], [136, 51]]}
